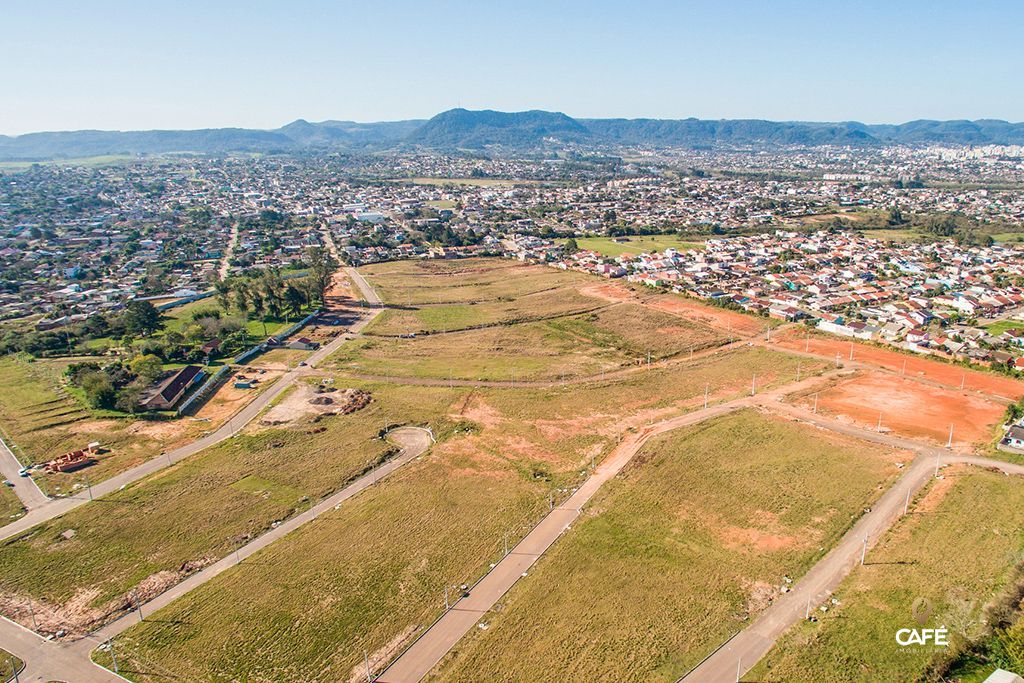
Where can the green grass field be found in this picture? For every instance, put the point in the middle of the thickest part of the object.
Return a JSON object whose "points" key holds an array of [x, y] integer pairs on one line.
{"points": [[637, 244], [893, 235], [40, 420], [201, 508], [439, 520], [949, 556], [440, 318], [619, 336], [1001, 326], [10, 505], [676, 554], [464, 281], [178, 318]]}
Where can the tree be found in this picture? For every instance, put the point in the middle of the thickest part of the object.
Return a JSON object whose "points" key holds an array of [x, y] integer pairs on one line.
{"points": [[146, 367], [294, 299], [223, 288], [570, 247], [141, 318], [99, 390], [322, 266]]}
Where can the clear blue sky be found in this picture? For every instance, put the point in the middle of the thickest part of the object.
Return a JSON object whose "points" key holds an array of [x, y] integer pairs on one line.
{"points": [[189, 64]]}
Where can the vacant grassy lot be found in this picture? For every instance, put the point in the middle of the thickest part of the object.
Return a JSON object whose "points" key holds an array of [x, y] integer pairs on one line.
{"points": [[178, 318], [674, 555], [10, 505], [39, 421], [438, 521], [637, 244], [1001, 326], [948, 557], [543, 304], [411, 283], [528, 352], [588, 344], [198, 510]]}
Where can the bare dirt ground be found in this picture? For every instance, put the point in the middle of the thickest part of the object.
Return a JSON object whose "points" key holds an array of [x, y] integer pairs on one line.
{"points": [[305, 400], [909, 408], [718, 318], [228, 400], [936, 371], [609, 292]]}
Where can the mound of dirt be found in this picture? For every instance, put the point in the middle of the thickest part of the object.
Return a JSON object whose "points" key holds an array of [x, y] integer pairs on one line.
{"points": [[310, 401]]}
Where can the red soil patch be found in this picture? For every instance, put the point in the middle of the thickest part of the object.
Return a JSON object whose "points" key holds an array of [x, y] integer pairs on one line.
{"points": [[608, 292], [911, 409], [943, 373], [719, 318]]}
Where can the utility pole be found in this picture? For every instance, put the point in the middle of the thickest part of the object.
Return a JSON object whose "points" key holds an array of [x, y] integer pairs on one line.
{"points": [[88, 485], [506, 543], [707, 387], [798, 372], [366, 661], [14, 669], [753, 384], [879, 427], [863, 551], [815, 411], [851, 350], [138, 604], [963, 378], [446, 605], [906, 503], [949, 441], [738, 670]]}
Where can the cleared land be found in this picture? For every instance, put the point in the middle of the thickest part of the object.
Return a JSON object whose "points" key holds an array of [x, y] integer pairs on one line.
{"points": [[674, 555], [547, 303], [587, 344], [412, 283], [636, 244], [732, 322], [937, 566], [77, 569], [916, 366], [910, 408], [438, 522]]}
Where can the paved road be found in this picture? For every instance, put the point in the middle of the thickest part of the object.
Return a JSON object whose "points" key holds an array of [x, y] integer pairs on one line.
{"points": [[369, 293], [70, 661], [752, 643], [229, 253], [55, 507], [743, 651], [27, 490]]}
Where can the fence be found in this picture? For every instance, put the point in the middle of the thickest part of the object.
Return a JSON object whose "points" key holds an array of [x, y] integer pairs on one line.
{"points": [[184, 300], [205, 390]]}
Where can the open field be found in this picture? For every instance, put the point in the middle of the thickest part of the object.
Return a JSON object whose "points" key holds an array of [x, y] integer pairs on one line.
{"points": [[637, 244], [722, 319], [152, 533], [893, 235], [278, 359], [438, 521], [177, 319], [441, 318], [675, 554], [915, 365], [1001, 326], [10, 504], [40, 421], [938, 566], [616, 337], [8, 665], [909, 408], [476, 280]]}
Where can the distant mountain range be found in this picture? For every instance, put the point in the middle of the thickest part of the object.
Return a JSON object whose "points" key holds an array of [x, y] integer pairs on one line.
{"points": [[517, 131]]}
